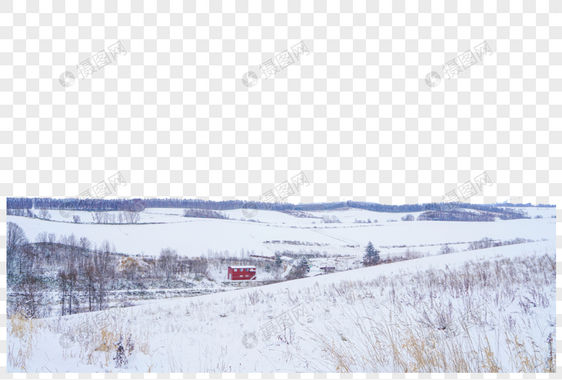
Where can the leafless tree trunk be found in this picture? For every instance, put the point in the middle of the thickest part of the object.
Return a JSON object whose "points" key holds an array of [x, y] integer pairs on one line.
{"points": [[167, 262], [44, 214], [132, 217], [16, 239], [30, 297]]}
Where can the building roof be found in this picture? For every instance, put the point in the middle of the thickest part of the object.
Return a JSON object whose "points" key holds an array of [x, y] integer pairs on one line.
{"points": [[243, 266]]}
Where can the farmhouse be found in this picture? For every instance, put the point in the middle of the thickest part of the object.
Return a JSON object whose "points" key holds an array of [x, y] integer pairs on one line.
{"points": [[242, 272]]}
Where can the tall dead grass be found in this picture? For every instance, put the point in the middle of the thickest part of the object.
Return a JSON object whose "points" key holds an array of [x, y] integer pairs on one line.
{"points": [[481, 317], [27, 330]]}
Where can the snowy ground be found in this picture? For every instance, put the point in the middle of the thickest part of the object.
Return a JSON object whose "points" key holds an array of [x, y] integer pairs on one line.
{"points": [[342, 311], [193, 237], [484, 317]]}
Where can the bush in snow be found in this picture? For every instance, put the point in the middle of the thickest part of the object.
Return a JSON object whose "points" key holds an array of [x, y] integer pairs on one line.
{"points": [[332, 219], [200, 213], [446, 249]]}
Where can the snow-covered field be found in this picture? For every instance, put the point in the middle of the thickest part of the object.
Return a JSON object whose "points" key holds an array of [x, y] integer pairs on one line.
{"points": [[193, 237], [480, 311], [471, 311]]}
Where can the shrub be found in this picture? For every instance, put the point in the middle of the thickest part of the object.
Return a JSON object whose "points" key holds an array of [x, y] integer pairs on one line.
{"points": [[446, 249]]}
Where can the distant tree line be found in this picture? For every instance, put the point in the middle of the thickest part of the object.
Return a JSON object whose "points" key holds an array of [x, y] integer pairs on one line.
{"points": [[452, 206], [129, 217], [507, 204], [133, 205], [138, 205], [458, 214]]}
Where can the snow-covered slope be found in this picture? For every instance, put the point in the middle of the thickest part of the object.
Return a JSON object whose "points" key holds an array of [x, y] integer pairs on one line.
{"points": [[339, 322], [193, 237]]}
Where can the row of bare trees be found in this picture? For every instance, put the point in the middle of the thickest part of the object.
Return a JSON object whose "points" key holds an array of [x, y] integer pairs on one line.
{"points": [[129, 217], [487, 242], [72, 267], [82, 274]]}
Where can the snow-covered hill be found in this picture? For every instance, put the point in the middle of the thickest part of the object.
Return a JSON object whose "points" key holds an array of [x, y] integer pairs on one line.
{"points": [[470, 311], [477, 311], [193, 237]]}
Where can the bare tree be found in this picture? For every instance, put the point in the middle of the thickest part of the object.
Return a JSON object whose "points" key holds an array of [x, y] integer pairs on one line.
{"points": [[67, 285], [84, 243], [16, 239], [96, 216], [30, 297], [52, 239], [198, 266], [90, 284], [41, 237], [167, 262], [76, 218], [27, 257], [132, 217], [44, 214]]}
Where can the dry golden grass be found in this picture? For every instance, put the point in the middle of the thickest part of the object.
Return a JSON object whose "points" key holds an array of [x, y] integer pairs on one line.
{"points": [[28, 332], [434, 335]]}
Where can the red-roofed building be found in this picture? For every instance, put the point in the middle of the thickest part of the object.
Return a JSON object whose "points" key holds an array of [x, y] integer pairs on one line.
{"points": [[242, 272]]}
